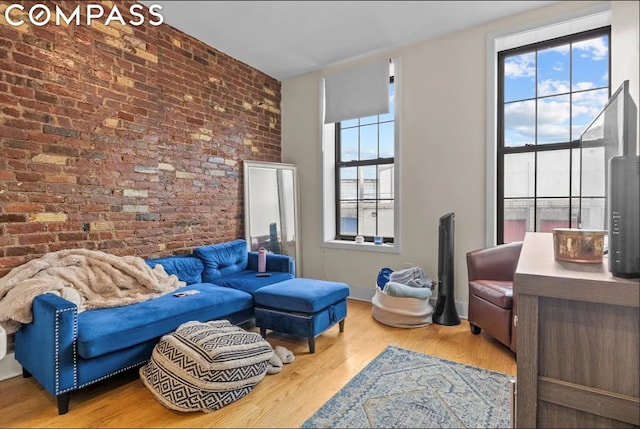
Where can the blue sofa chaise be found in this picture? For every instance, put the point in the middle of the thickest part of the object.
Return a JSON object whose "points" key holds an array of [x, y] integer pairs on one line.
{"points": [[65, 350]]}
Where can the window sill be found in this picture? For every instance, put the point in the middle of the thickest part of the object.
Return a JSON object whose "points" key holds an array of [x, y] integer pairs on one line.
{"points": [[365, 247]]}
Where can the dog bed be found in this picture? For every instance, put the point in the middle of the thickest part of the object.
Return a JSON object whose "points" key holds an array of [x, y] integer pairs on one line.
{"points": [[401, 312]]}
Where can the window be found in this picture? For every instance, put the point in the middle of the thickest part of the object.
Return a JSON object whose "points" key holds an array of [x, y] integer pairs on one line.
{"points": [[548, 93], [364, 159]]}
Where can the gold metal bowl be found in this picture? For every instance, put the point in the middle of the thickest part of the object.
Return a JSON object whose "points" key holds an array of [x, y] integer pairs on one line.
{"points": [[578, 245]]}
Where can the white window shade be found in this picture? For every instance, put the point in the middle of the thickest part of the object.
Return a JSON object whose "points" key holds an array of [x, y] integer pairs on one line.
{"points": [[357, 92]]}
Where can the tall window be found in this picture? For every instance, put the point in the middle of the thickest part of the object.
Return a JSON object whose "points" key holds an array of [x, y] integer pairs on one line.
{"points": [[365, 176], [548, 93]]}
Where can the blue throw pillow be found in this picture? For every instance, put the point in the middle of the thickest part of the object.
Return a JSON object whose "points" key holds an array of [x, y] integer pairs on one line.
{"points": [[186, 267], [222, 259]]}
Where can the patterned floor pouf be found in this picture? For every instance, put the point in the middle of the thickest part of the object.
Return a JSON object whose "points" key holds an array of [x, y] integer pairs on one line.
{"points": [[205, 366]]}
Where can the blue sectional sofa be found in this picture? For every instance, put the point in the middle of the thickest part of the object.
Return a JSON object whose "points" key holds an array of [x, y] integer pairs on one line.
{"points": [[65, 350]]}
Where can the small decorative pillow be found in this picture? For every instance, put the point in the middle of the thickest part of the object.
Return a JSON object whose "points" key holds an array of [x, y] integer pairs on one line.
{"points": [[186, 267]]}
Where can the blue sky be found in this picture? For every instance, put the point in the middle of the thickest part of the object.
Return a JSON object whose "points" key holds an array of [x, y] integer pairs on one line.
{"points": [[586, 60]]}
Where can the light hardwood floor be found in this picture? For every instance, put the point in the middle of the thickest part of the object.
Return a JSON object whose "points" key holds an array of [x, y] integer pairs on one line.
{"points": [[286, 399]]}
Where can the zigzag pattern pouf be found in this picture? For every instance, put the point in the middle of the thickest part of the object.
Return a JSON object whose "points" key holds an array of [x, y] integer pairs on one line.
{"points": [[205, 366]]}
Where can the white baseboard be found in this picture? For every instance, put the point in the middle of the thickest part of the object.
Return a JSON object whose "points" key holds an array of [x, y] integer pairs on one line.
{"points": [[463, 308], [360, 293], [9, 367]]}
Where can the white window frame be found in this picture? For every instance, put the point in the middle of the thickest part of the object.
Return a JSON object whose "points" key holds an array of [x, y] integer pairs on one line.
{"points": [[328, 171], [575, 22]]}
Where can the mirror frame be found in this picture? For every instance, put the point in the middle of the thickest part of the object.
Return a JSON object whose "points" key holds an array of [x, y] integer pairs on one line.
{"points": [[277, 167]]}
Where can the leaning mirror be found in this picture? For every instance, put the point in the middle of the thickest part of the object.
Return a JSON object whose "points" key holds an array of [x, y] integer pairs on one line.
{"points": [[271, 208]]}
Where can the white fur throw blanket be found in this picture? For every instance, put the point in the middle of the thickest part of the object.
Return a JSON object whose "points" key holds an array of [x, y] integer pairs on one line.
{"points": [[88, 278]]}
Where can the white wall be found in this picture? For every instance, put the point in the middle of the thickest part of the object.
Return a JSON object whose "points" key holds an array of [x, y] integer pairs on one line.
{"points": [[625, 50], [442, 155]]}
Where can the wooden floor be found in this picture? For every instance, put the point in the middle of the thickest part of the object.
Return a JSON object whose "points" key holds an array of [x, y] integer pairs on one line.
{"points": [[286, 399]]}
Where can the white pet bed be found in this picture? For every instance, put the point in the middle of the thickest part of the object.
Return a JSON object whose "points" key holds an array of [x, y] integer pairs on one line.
{"points": [[401, 312]]}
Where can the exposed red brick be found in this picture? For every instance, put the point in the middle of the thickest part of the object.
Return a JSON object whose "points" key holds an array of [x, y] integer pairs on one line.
{"points": [[22, 208], [36, 238], [6, 218], [74, 92], [10, 262]]}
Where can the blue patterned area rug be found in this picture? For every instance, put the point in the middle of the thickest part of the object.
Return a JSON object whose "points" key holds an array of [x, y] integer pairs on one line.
{"points": [[405, 389]]}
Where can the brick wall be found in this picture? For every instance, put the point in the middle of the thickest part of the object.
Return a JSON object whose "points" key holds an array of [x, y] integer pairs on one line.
{"points": [[124, 139]]}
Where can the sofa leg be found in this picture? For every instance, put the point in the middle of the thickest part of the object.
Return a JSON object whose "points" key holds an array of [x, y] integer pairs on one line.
{"points": [[63, 403], [25, 373], [312, 345], [263, 332], [474, 329], [341, 325]]}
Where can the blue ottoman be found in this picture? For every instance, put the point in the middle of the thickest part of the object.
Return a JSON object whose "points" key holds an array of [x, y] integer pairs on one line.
{"points": [[301, 307]]}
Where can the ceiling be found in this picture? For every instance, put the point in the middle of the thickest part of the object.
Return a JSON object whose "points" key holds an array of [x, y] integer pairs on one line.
{"points": [[285, 39]]}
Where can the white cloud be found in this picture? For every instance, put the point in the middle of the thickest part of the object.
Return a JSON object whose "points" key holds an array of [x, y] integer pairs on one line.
{"points": [[553, 111], [519, 113], [592, 98], [553, 117], [520, 66], [595, 49], [581, 86], [586, 105], [553, 132], [519, 122], [584, 109], [563, 49], [553, 120], [550, 86]]}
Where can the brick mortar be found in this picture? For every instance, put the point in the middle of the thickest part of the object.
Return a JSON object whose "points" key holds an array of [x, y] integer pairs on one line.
{"points": [[86, 115]]}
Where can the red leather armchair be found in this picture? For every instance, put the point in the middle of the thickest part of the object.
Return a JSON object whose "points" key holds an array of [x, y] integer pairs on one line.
{"points": [[492, 302]]}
